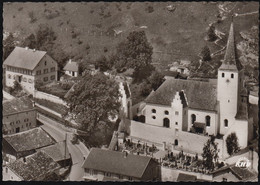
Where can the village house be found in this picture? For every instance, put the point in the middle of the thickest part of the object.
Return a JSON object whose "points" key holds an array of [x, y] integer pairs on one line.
{"points": [[22, 144], [37, 167], [181, 66], [71, 68], [59, 153], [108, 165], [18, 115], [182, 114], [29, 66]]}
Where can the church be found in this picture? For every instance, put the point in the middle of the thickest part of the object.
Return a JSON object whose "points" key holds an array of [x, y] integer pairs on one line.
{"points": [[183, 114]]}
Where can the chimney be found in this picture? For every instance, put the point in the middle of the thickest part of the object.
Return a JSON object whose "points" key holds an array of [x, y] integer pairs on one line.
{"points": [[69, 60], [34, 50], [26, 48]]}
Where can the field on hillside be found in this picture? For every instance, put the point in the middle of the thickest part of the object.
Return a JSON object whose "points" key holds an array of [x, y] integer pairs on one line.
{"points": [[177, 34]]}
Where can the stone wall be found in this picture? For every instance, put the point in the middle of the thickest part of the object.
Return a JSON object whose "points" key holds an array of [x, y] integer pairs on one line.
{"points": [[50, 97]]}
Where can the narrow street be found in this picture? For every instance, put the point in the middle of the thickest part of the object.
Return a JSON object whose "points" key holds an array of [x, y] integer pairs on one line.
{"points": [[58, 134]]}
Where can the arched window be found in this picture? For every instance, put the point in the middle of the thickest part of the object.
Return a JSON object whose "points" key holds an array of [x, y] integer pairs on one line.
{"points": [[176, 142], [193, 118], [166, 112], [166, 122], [153, 111], [208, 121], [223, 75], [232, 75], [226, 123]]}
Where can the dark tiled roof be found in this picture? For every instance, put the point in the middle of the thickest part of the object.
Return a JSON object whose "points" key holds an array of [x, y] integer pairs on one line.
{"points": [[231, 61], [36, 166], [115, 162], [186, 178], [30, 139], [17, 105], [24, 58], [71, 66], [242, 173], [200, 95], [57, 151]]}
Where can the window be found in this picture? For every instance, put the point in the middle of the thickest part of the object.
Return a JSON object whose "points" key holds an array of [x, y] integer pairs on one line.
{"points": [[9, 76], [52, 69], [153, 117], [166, 112], [226, 123], [176, 123], [29, 124], [86, 170], [232, 75], [45, 63], [228, 101], [153, 111], [26, 124], [30, 81], [38, 72], [53, 77], [208, 121], [6, 170], [166, 122], [176, 142], [45, 79], [223, 75], [25, 79], [22, 126], [25, 120], [130, 178], [17, 121], [108, 174], [45, 71], [193, 118], [176, 113]]}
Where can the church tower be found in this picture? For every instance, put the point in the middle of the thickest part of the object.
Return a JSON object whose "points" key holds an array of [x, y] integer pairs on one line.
{"points": [[230, 81]]}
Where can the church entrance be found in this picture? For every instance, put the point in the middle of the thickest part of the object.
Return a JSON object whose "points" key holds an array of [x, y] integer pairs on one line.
{"points": [[166, 122]]}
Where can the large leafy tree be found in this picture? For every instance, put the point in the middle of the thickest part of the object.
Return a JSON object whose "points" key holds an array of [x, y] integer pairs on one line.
{"points": [[205, 54], [135, 52], [8, 45], [94, 99], [232, 143], [210, 153]]}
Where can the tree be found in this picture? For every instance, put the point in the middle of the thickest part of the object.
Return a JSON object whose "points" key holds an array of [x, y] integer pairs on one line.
{"points": [[156, 79], [232, 143], [205, 54], [8, 45], [30, 42], [136, 52], [210, 153], [94, 99], [103, 63], [211, 33]]}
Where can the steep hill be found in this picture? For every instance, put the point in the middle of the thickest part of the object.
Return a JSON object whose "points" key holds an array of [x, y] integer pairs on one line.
{"points": [[174, 34]]}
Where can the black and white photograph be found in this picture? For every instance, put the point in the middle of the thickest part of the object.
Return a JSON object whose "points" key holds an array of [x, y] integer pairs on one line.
{"points": [[142, 91]]}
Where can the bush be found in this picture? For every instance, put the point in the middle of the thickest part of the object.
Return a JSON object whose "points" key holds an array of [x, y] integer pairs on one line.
{"points": [[149, 9]]}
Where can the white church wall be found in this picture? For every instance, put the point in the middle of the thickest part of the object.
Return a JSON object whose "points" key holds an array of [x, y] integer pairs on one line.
{"points": [[201, 117], [159, 115], [151, 133]]}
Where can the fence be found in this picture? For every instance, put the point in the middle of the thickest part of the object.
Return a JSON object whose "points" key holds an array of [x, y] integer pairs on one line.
{"points": [[50, 97]]}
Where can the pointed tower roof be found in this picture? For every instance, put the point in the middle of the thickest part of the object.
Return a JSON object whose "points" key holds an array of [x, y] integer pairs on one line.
{"points": [[231, 61]]}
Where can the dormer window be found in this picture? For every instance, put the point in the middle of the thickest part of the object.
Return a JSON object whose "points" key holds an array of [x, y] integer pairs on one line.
{"points": [[166, 112], [223, 75], [232, 75]]}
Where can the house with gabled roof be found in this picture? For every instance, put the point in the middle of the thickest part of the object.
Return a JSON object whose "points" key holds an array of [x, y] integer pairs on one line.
{"points": [[28, 66], [25, 143], [19, 115], [108, 165], [71, 68], [182, 114], [37, 167]]}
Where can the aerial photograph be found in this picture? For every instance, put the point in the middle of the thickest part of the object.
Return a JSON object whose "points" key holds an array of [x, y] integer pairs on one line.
{"points": [[130, 91]]}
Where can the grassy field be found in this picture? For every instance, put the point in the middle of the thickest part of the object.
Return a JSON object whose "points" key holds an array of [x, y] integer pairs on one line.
{"points": [[173, 35]]}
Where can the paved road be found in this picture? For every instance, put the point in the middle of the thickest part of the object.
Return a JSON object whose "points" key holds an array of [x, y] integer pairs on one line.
{"points": [[58, 134]]}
